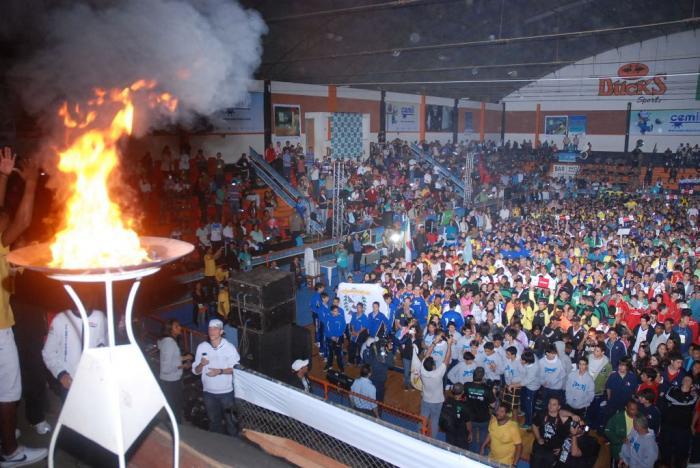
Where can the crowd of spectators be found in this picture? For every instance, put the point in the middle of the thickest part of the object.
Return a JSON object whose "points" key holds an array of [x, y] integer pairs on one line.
{"points": [[540, 312]]}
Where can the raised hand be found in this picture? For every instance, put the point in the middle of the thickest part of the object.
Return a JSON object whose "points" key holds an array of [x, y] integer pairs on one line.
{"points": [[30, 170], [7, 161]]}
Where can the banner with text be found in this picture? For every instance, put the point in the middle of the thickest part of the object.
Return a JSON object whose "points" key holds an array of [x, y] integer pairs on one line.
{"points": [[565, 170], [351, 294], [665, 122], [402, 117]]}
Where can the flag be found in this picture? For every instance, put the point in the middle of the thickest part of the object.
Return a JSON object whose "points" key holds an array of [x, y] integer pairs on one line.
{"points": [[408, 243]]}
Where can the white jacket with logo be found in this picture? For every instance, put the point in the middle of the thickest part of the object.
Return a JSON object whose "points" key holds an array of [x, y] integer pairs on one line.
{"points": [[64, 343]]}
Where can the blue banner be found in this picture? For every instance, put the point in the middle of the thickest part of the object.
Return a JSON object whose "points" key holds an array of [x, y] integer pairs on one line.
{"points": [[577, 124]]}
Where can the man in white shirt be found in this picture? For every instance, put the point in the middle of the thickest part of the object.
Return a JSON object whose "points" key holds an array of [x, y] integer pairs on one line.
{"points": [[431, 374], [214, 361], [202, 234], [64, 344]]}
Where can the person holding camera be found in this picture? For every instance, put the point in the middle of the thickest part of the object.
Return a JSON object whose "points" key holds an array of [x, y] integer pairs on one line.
{"points": [[431, 375], [579, 449], [550, 430], [379, 357]]}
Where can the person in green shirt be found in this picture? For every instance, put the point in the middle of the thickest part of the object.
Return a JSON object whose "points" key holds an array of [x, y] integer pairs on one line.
{"points": [[619, 427], [341, 259]]}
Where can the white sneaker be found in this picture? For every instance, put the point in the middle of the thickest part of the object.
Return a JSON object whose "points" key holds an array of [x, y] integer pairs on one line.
{"points": [[23, 456], [42, 428]]}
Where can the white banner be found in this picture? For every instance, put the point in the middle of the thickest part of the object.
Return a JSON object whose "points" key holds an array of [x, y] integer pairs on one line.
{"points": [[351, 294], [380, 440], [565, 170]]}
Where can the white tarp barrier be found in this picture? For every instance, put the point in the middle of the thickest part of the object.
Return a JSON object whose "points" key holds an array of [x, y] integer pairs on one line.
{"points": [[392, 446], [351, 294], [564, 170]]}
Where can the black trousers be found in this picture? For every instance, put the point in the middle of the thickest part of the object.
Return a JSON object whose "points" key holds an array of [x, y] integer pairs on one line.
{"points": [[173, 391], [30, 330]]}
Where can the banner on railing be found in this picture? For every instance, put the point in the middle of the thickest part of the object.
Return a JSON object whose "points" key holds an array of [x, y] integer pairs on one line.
{"points": [[351, 294], [565, 170], [382, 441]]}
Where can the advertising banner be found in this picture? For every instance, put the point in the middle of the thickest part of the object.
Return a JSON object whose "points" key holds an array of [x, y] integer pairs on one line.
{"points": [[351, 294], [402, 117], [577, 124], [565, 170], [439, 118], [246, 117], [287, 120], [665, 122], [555, 124], [346, 135]]}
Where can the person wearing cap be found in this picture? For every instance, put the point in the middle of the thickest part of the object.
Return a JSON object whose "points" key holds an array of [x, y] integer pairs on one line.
{"points": [[455, 418], [300, 369], [214, 361]]}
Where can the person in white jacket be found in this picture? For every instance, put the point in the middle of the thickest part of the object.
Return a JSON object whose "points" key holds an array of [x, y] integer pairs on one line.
{"points": [[531, 383], [492, 362], [580, 388], [64, 343], [463, 372], [553, 374], [640, 449]]}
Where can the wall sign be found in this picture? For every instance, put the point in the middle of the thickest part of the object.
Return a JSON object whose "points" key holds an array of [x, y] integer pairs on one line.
{"points": [[633, 81]]}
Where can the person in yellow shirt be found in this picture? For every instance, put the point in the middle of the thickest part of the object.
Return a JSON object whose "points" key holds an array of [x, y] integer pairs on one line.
{"points": [[435, 308], [224, 304], [504, 439], [210, 258], [10, 383]]}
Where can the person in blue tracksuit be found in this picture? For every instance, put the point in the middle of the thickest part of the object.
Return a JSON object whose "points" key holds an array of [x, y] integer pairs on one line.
{"points": [[420, 308], [452, 316], [323, 311], [314, 304], [375, 320], [334, 330], [616, 348], [357, 333]]}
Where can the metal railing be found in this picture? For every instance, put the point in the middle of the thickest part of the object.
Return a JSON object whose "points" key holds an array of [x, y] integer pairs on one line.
{"points": [[388, 413], [418, 151]]}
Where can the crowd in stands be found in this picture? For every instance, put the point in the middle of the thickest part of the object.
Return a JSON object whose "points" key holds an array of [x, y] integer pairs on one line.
{"points": [[537, 311]]}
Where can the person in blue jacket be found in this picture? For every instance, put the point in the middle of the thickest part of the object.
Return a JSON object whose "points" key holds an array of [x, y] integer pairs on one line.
{"points": [[420, 307], [375, 320], [314, 304], [323, 311], [357, 333], [616, 348], [452, 316], [334, 329]]}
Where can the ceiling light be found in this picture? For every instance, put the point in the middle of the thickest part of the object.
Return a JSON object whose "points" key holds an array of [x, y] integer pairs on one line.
{"points": [[414, 37], [475, 71], [396, 52]]}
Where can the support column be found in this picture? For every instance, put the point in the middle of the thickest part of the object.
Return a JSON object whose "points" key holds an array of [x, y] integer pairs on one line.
{"points": [[381, 138], [332, 106], [482, 122], [538, 129], [421, 120], [627, 126], [503, 123], [267, 113], [455, 121]]}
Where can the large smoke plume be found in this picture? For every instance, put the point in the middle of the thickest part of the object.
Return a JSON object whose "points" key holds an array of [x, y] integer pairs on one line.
{"points": [[202, 51]]}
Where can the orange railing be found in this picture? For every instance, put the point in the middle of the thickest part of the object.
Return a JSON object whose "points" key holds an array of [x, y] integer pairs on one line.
{"points": [[384, 409]]}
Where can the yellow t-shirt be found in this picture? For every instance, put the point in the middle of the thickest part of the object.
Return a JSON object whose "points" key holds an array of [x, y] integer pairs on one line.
{"points": [[7, 318], [221, 275], [209, 265], [504, 438], [224, 303], [628, 423]]}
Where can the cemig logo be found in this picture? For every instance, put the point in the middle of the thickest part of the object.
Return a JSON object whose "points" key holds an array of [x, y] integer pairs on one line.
{"points": [[632, 82]]}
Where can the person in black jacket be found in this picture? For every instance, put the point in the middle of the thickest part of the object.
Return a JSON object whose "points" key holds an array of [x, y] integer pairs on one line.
{"points": [[455, 418], [405, 346], [677, 417], [646, 334]]}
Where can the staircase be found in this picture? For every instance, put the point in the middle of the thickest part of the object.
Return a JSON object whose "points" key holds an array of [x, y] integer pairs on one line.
{"points": [[442, 170], [280, 186]]}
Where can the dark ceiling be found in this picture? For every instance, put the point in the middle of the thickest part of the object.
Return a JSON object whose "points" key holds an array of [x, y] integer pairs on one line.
{"points": [[385, 44]]}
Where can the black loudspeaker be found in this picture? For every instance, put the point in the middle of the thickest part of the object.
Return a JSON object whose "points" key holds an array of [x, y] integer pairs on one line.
{"points": [[388, 219], [271, 353], [263, 320], [262, 288]]}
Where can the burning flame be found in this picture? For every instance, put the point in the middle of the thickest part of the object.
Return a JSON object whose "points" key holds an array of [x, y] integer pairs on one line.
{"points": [[96, 232]]}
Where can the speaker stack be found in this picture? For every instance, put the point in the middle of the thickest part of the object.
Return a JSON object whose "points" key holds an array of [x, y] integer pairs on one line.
{"points": [[263, 308]]}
